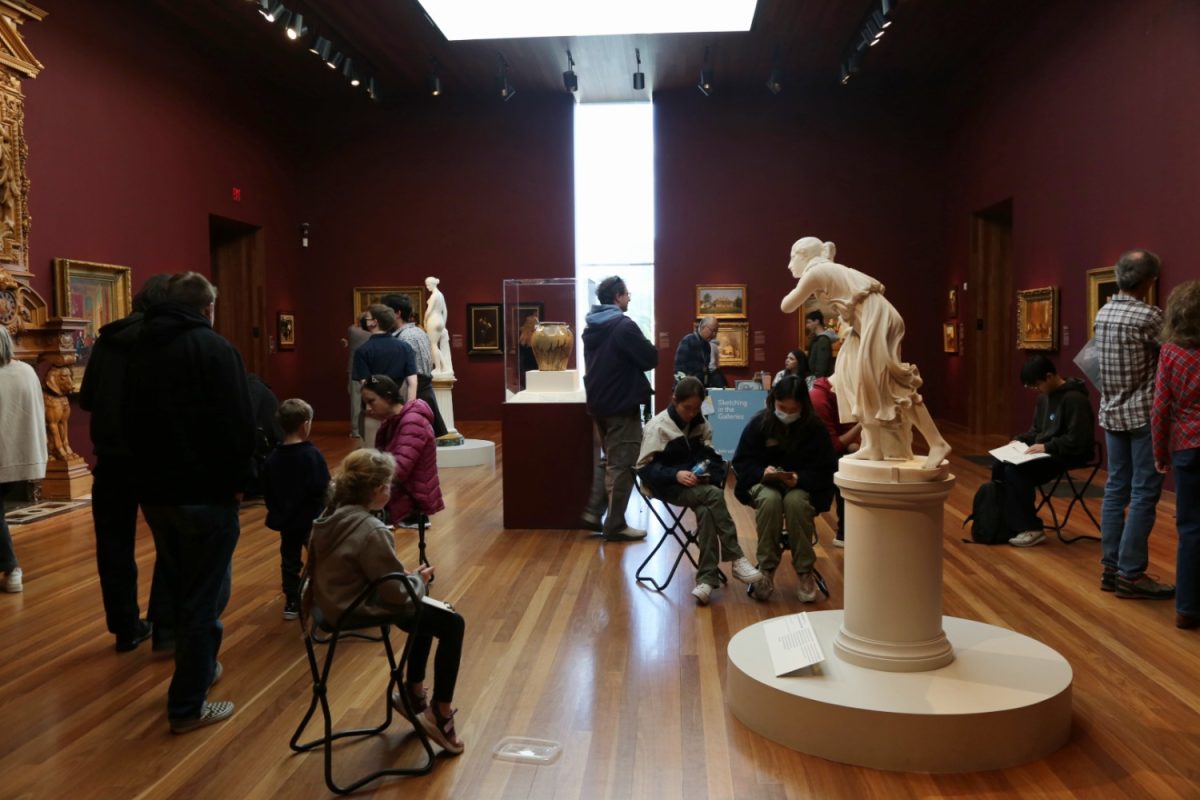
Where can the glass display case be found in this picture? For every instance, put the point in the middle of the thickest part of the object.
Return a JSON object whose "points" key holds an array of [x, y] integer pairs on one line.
{"points": [[552, 304]]}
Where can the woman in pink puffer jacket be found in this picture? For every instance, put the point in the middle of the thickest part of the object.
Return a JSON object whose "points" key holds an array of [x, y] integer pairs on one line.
{"points": [[406, 433]]}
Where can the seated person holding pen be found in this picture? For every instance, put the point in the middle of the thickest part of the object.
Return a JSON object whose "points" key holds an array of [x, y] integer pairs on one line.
{"points": [[1061, 438], [785, 464], [677, 461]]}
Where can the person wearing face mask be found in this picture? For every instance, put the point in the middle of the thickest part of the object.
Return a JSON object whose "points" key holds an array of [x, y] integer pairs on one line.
{"points": [[785, 463], [677, 461]]}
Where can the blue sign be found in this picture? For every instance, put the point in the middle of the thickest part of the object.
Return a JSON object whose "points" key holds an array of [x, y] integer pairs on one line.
{"points": [[732, 409]]}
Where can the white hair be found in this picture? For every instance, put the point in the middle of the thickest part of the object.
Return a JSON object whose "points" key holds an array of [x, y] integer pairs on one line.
{"points": [[6, 347]]}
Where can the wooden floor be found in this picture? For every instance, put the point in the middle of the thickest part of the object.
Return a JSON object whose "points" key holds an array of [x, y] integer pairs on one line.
{"points": [[562, 644]]}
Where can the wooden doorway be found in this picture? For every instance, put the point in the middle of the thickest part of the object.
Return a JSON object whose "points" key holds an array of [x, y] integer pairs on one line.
{"points": [[992, 338], [239, 274]]}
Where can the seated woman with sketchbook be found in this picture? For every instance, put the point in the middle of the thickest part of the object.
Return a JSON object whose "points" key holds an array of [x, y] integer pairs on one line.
{"points": [[1061, 438]]}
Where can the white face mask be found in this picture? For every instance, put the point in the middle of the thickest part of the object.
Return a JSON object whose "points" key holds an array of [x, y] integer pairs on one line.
{"points": [[787, 419]]}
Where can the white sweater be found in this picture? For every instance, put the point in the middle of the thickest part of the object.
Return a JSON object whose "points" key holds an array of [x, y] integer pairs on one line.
{"points": [[23, 452]]}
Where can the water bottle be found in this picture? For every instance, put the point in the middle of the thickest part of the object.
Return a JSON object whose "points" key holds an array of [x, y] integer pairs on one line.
{"points": [[701, 469]]}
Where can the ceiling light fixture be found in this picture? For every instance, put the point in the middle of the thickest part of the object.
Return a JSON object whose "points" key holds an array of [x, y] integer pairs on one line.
{"points": [[274, 13], [321, 47], [435, 82], [296, 29], [505, 88], [336, 61], [570, 79], [372, 92], [706, 76], [350, 73], [639, 77], [775, 81]]}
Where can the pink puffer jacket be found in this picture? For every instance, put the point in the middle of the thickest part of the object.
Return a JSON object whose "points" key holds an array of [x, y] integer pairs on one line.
{"points": [[408, 436]]}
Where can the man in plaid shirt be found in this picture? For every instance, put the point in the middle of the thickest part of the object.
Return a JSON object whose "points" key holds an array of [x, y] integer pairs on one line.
{"points": [[1127, 337]]}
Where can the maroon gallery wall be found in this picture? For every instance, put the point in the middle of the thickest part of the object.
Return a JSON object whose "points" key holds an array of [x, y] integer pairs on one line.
{"points": [[134, 140], [1088, 122], [469, 191], [740, 179]]}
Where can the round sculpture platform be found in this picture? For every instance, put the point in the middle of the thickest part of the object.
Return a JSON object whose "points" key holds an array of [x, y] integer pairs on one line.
{"points": [[471, 453], [1004, 700]]}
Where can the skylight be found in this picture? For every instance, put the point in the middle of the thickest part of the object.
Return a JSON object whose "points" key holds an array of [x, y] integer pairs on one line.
{"points": [[520, 19]]}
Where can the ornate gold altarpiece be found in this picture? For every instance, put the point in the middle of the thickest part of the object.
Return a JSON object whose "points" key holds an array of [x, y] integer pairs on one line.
{"points": [[39, 338]]}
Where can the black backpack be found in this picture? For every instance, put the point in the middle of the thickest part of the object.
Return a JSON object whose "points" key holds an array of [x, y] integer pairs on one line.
{"points": [[987, 515]]}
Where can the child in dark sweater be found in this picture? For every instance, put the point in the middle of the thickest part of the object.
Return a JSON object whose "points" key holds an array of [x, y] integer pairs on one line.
{"points": [[295, 483]]}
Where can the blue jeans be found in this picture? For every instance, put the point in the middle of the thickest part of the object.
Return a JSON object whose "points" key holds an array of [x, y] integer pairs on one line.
{"points": [[1187, 523], [195, 544], [1134, 482]]}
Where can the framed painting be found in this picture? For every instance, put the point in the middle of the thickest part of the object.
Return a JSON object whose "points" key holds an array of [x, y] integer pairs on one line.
{"points": [[522, 315], [1101, 286], [368, 295], [721, 300], [287, 330], [952, 303], [98, 293], [733, 344], [949, 337], [485, 329], [1037, 319]]}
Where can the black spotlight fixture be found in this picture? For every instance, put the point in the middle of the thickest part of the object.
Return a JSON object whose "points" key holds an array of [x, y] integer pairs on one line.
{"points": [[274, 12], [706, 76], [336, 61], [296, 28], [350, 73], [775, 81], [435, 82], [849, 69], [372, 91], [570, 79], [639, 77], [321, 47], [502, 85]]}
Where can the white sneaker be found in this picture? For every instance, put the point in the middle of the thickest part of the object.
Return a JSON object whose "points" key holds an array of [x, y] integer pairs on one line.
{"points": [[744, 571], [1028, 538], [702, 593], [12, 582], [626, 534], [806, 588]]}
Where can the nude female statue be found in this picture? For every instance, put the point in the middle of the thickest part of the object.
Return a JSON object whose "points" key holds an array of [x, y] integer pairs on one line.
{"points": [[873, 385], [435, 326]]}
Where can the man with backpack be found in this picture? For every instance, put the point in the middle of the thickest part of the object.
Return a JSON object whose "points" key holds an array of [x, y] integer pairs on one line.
{"points": [[1062, 432]]}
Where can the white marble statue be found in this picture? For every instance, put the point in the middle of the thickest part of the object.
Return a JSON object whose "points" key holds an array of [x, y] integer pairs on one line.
{"points": [[873, 385], [435, 326]]}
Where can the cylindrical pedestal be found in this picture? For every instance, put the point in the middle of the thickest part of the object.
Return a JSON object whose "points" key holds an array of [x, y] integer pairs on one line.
{"points": [[893, 567]]}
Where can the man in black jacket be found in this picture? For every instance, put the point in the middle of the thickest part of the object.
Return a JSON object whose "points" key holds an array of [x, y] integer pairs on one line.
{"points": [[1063, 430], [694, 352], [190, 424], [616, 355], [114, 496]]}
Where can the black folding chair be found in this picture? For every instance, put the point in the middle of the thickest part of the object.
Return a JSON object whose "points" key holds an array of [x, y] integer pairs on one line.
{"points": [[345, 627], [673, 530], [1078, 488]]}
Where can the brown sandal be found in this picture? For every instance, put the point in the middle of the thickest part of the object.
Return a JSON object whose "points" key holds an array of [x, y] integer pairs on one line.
{"points": [[419, 703], [441, 730]]}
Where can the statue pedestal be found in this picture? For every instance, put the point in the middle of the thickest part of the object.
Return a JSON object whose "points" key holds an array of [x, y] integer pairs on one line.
{"points": [[443, 390], [893, 608], [67, 480]]}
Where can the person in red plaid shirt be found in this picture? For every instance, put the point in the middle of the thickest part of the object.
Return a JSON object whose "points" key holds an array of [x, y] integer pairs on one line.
{"points": [[1175, 423], [1127, 337]]}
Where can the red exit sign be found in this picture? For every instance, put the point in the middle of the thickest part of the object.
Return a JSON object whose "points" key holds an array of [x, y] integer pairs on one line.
{"points": [[237, 195]]}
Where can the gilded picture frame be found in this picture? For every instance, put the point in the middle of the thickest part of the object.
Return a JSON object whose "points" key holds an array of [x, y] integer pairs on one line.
{"points": [[1037, 319], [721, 300], [98, 293], [368, 295], [733, 344], [485, 329], [1101, 286], [952, 303], [287, 330], [949, 337]]}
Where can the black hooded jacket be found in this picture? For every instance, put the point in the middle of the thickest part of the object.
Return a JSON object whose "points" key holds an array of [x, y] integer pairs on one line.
{"points": [[1063, 421], [104, 382], [187, 412]]}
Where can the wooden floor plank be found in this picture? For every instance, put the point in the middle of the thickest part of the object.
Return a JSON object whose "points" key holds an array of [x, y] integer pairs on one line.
{"points": [[563, 644]]}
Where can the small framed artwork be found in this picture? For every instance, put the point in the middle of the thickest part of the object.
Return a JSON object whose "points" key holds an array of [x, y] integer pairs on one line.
{"points": [[1037, 319], [368, 295], [1101, 286], [952, 303], [733, 344], [485, 329], [287, 330], [98, 293], [724, 300], [949, 337]]}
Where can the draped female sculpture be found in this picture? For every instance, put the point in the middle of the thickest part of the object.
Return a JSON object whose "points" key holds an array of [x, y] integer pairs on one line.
{"points": [[435, 326]]}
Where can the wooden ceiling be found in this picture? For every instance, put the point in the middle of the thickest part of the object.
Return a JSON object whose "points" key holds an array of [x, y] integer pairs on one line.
{"points": [[929, 42]]}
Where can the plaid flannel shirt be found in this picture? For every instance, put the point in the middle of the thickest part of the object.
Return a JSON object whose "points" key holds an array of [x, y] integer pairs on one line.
{"points": [[1176, 416], [1127, 332]]}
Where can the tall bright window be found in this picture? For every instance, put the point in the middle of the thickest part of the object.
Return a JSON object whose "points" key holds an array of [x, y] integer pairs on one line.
{"points": [[614, 204]]}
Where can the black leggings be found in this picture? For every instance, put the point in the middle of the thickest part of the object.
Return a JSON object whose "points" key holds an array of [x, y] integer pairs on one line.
{"points": [[448, 627]]}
